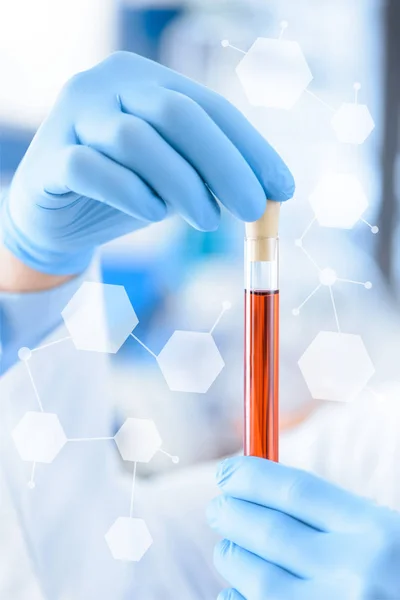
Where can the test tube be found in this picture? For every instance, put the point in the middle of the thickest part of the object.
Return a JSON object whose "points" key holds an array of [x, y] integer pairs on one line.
{"points": [[261, 353]]}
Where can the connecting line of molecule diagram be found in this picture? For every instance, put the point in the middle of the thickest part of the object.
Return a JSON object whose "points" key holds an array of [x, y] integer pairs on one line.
{"points": [[274, 73], [336, 366], [288, 78], [327, 278], [190, 361]]}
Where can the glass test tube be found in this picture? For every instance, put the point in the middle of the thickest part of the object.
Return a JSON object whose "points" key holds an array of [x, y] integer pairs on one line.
{"points": [[261, 360]]}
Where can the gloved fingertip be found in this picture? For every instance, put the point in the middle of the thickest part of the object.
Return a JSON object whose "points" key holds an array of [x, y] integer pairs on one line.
{"points": [[283, 186], [223, 550], [206, 225], [212, 512], [250, 202], [158, 211], [225, 469], [285, 195]]}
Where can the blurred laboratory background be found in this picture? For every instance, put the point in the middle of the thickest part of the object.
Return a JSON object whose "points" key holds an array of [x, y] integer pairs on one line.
{"points": [[177, 278]]}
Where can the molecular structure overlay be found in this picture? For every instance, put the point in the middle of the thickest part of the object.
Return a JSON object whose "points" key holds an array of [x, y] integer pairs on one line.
{"points": [[274, 73], [100, 318], [336, 366]]}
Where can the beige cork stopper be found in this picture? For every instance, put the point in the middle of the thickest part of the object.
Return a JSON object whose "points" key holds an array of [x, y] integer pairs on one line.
{"points": [[261, 235]]}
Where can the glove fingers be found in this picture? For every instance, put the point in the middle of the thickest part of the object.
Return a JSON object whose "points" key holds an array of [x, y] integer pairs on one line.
{"points": [[192, 133], [136, 145], [300, 494], [88, 173], [269, 168], [270, 534], [230, 594], [252, 576]]}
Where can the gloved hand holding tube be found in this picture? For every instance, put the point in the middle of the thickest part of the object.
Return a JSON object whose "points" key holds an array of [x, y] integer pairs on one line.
{"points": [[291, 535], [128, 143]]}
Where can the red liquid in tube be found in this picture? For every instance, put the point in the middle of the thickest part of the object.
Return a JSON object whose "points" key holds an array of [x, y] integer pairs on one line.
{"points": [[261, 437]]}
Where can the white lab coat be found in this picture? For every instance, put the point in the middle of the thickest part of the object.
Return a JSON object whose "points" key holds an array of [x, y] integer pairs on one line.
{"points": [[52, 537]]}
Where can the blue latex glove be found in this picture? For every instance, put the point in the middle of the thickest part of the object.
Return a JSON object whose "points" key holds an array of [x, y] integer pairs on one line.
{"points": [[292, 536], [127, 143]]}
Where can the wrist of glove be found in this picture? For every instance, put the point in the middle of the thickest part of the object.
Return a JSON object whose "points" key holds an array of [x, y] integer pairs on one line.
{"points": [[36, 255]]}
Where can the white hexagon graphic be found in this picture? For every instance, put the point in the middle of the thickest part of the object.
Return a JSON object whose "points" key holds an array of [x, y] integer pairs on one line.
{"points": [[336, 366], [138, 440], [352, 123], [338, 201], [39, 437], [128, 539], [190, 361], [99, 317], [274, 73]]}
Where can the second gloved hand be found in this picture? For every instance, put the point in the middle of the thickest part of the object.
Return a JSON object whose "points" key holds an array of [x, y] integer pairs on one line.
{"points": [[127, 143], [292, 536]]}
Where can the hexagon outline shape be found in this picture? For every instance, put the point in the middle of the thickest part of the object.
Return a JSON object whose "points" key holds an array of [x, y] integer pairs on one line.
{"points": [[99, 317], [274, 73], [200, 357], [338, 201], [39, 437], [336, 366], [122, 539], [138, 440], [352, 123]]}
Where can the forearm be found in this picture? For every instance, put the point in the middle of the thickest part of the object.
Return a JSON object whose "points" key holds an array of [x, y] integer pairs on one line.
{"points": [[16, 277]]}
